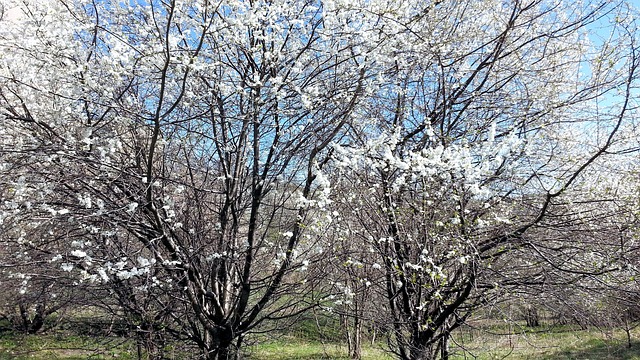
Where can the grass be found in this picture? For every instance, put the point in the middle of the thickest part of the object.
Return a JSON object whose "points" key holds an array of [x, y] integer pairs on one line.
{"points": [[547, 344], [62, 346], [496, 343], [301, 349]]}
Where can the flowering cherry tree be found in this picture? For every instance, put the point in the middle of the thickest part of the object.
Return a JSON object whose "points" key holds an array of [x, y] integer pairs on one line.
{"points": [[178, 146], [199, 159], [471, 153]]}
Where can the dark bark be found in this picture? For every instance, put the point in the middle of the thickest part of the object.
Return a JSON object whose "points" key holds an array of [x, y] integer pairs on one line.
{"points": [[32, 325]]}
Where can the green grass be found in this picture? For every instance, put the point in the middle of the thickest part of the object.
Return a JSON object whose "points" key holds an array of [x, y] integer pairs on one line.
{"points": [[62, 346], [551, 344], [497, 343], [293, 348]]}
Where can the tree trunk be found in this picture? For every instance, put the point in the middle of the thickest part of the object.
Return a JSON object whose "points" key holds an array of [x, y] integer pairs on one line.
{"points": [[422, 354], [344, 320], [356, 349], [444, 347], [426, 346], [627, 330], [31, 325], [222, 353], [532, 317], [221, 346]]}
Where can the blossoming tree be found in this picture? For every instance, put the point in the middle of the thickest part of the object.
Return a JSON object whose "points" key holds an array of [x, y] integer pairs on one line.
{"points": [[199, 158], [177, 144], [474, 147]]}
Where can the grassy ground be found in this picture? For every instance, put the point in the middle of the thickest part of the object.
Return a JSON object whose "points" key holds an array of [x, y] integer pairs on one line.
{"points": [[62, 346], [479, 344], [299, 349], [560, 343]]}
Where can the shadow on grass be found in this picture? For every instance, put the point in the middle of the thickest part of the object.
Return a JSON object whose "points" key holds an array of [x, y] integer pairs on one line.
{"points": [[599, 349]]}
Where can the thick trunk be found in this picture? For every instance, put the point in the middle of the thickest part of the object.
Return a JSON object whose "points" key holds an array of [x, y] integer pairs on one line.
{"points": [[221, 346], [424, 347], [32, 325], [422, 354], [222, 353]]}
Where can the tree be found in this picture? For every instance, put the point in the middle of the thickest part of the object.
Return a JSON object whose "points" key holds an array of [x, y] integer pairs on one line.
{"points": [[472, 151], [180, 144]]}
